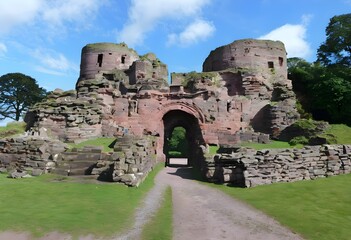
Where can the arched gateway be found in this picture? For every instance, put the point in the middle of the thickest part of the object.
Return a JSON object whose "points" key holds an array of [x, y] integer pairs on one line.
{"points": [[179, 118], [120, 93]]}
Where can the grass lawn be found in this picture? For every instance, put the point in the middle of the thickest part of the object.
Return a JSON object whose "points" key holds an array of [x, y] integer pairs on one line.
{"points": [[342, 133], [272, 144], [318, 209], [12, 129], [106, 143], [40, 205], [160, 226]]}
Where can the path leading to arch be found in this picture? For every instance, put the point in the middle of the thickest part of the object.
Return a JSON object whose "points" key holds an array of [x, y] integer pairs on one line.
{"points": [[201, 212]]}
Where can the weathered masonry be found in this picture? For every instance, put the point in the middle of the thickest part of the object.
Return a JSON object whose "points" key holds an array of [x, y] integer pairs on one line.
{"points": [[249, 168], [243, 87], [243, 94]]}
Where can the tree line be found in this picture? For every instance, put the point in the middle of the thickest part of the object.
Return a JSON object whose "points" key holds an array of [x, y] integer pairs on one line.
{"points": [[323, 88]]}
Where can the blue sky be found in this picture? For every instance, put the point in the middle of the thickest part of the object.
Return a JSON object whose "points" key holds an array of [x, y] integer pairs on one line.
{"points": [[44, 38]]}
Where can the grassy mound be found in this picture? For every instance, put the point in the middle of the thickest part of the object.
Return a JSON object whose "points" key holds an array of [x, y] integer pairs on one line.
{"points": [[106, 143], [12, 129], [341, 132]]}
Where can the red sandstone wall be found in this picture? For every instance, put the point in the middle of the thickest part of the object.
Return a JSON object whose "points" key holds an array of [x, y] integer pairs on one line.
{"points": [[105, 57], [250, 54]]}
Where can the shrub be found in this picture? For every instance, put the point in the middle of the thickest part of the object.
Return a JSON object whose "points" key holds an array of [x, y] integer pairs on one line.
{"points": [[298, 140]]}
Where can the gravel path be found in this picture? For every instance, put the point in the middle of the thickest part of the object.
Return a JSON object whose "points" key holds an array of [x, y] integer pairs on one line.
{"points": [[199, 212]]}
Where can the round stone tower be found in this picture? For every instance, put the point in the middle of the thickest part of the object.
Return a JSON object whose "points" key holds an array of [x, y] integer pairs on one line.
{"points": [[260, 55], [100, 57]]}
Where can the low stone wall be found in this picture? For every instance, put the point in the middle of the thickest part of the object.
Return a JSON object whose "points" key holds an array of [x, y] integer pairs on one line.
{"points": [[133, 158], [130, 162], [248, 168], [29, 155]]}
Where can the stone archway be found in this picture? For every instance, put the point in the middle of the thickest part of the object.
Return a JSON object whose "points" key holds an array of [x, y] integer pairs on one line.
{"points": [[180, 118]]}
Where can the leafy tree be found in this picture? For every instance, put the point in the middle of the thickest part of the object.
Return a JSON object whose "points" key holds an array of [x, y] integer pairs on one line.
{"points": [[178, 141], [324, 88], [18, 93], [336, 50]]}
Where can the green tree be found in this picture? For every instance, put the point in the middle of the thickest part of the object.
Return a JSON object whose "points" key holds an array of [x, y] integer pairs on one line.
{"points": [[178, 141], [18, 93], [336, 50]]}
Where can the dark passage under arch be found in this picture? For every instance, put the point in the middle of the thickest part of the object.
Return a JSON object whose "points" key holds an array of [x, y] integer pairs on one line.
{"points": [[179, 118]]}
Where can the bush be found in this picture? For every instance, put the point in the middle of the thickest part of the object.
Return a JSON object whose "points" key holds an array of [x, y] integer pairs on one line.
{"points": [[305, 124], [298, 140]]}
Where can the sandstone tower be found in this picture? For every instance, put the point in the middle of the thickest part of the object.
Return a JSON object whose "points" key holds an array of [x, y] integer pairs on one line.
{"points": [[243, 94]]}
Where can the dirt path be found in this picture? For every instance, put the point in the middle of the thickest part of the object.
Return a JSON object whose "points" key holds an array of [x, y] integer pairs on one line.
{"points": [[199, 212]]}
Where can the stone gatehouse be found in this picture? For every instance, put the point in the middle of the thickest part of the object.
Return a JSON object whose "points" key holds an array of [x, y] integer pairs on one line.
{"points": [[243, 88]]}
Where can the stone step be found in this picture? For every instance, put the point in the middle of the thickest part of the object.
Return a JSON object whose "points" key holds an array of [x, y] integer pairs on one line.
{"points": [[79, 164], [78, 172], [60, 171]]}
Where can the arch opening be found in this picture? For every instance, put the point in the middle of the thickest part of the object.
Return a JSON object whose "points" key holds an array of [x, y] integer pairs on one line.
{"points": [[178, 119]]}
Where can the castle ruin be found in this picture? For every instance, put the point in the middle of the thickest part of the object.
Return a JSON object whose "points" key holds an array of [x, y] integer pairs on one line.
{"points": [[243, 88], [243, 94]]}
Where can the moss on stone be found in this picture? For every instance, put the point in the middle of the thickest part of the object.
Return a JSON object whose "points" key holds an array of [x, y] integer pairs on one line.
{"points": [[151, 57], [195, 76], [105, 47]]}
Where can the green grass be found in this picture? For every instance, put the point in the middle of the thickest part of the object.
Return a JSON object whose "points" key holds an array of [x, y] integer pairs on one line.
{"points": [[318, 209], [213, 149], [40, 205], [174, 154], [342, 133], [106, 143], [160, 225], [272, 144], [12, 129]]}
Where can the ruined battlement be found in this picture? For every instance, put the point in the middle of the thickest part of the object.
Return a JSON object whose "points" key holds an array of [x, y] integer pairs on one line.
{"points": [[244, 88], [263, 56], [100, 57]]}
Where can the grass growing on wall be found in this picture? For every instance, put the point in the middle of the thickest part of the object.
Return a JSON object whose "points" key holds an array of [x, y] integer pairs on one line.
{"points": [[272, 144], [106, 143], [12, 129], [160, 225], [40, 205], [318, 209]]}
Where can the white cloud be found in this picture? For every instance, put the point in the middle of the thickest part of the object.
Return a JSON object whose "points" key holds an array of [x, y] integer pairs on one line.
{"points": [[48, 71], [16, 12], [52, 62], [294, 38], [198, 30], [144, 16], [57, 12], [3, 49]]}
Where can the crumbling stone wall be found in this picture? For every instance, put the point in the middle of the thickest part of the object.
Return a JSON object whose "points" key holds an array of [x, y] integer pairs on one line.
{"points": [[263, 56], [248, 167], [114, 98], [129, 163], [32, 155], [102, 57]]}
